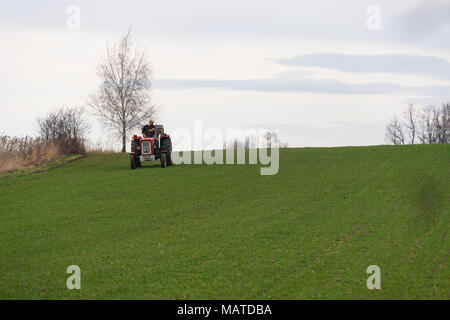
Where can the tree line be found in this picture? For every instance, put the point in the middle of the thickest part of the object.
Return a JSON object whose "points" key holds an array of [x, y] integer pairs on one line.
{"points": [[426, 125]]}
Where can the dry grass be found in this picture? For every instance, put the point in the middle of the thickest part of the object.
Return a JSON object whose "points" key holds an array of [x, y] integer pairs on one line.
{"points": [[17, 153]]}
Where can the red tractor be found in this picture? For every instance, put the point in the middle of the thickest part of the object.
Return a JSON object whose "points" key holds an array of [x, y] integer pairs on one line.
{"points": [[151, 149]]}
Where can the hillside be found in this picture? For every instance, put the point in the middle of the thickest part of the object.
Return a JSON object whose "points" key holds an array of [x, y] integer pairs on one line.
{"points": [[225, 231]]}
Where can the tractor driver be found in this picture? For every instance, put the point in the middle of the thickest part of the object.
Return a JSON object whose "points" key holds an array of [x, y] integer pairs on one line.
{"points": [[149, 130]]}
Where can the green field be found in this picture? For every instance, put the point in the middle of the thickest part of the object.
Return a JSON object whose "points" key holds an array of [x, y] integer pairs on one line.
{"points": [[226, 232]]}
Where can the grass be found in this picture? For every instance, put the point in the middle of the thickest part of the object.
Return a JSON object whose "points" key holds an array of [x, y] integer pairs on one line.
{"points": [[226, 232]]}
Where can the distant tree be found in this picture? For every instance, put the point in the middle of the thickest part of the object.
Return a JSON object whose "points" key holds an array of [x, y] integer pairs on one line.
{"points": [[123, 100], [394, 132], [271, 136], [427, 124], [443, 124], [410, 122]]}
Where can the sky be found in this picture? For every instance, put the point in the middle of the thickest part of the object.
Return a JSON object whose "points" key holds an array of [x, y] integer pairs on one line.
{"points": [[324, 73]]}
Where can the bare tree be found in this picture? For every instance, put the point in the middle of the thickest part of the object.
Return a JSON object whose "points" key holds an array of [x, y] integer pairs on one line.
{"points": [[123, 100], [427, 126], [410, 121], [447, 126], [394, 132], [442, 119]]}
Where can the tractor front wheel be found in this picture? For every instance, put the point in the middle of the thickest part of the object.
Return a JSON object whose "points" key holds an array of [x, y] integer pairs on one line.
{"points": [[132, 162]]}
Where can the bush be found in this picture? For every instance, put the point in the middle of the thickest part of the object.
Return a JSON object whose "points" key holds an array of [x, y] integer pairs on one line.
{"points": [[66, 128]]}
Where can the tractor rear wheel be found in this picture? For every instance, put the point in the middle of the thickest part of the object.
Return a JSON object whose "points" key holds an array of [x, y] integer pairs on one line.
{"points": [[163, 160], [169, 158], [167, 145]]}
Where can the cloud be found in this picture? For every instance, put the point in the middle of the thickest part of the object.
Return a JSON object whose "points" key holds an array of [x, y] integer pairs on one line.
{"points": [[383, 63], [297, 82], [424, 20], [207, 18]]}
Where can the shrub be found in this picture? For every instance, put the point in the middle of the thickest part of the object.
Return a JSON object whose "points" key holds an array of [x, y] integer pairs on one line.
{"points": [[66, 128]]}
